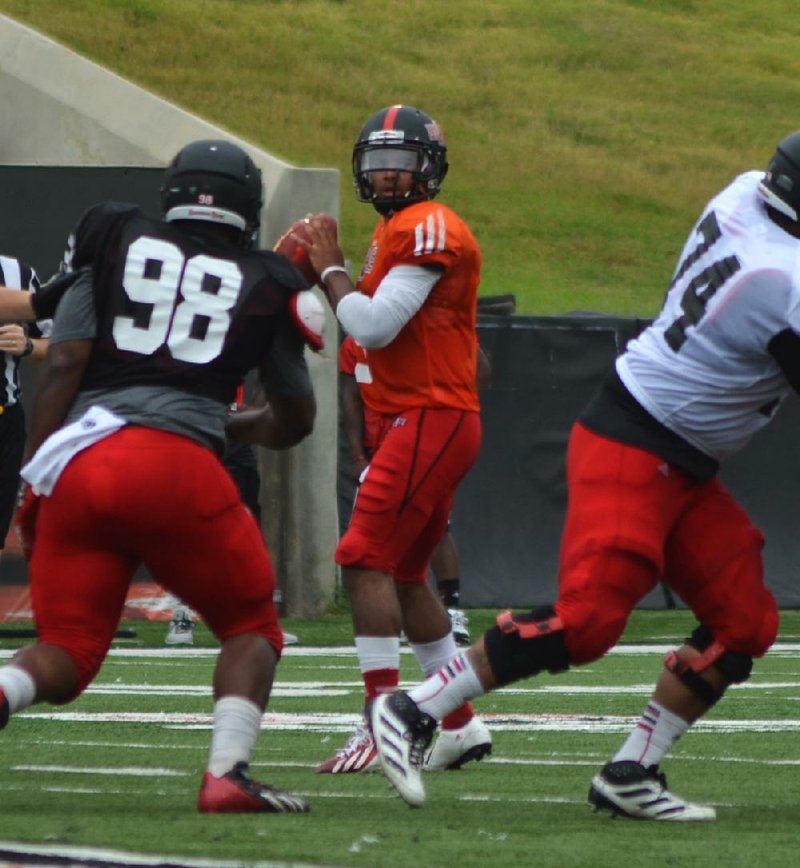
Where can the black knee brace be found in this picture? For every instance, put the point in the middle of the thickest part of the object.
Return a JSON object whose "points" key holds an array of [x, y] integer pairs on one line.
{"points": [[523, 645], [734, 666]]}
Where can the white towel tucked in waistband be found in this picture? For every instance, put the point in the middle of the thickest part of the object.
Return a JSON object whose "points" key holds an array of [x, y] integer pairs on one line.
{"points": [[43, 470]]}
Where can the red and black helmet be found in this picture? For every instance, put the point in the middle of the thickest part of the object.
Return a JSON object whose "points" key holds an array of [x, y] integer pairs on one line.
{"points": [[400, 138]]}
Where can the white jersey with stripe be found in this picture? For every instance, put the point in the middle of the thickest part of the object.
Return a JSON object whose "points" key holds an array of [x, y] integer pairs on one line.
{"points": [[703, 368]]}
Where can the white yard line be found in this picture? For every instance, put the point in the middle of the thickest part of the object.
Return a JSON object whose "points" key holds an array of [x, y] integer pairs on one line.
{"points": [[349, 651], [332, 722], [122, 771], [296, 689]]}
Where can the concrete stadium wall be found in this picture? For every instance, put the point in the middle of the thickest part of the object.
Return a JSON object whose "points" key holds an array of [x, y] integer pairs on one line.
{"points": [[68, 111]]}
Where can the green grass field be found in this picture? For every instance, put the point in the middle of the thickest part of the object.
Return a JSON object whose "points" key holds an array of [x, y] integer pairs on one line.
{"points": [[583, 137], [119, 769]]}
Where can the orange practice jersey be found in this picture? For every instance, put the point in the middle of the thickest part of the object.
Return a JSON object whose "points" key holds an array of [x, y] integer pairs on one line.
{"points": [[432, 361]]}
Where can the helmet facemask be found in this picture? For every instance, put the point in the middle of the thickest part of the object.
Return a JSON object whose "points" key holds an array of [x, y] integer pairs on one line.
{"points": [[418, 167]]}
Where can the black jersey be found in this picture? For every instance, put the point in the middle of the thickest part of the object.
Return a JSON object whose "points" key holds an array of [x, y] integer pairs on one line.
{"points": [[177, 310]]}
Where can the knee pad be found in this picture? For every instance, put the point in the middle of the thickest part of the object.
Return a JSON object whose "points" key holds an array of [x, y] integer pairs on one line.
{"points": [[524, 645], [732, 665]]}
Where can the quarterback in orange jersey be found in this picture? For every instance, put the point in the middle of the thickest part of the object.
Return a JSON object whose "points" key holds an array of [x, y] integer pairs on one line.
{"points": [[432, 360], [412, 314]]}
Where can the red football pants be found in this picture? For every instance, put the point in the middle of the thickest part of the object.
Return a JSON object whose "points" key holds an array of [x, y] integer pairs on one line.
{"points": [[146, 496], [632, 520], [403, 503]]}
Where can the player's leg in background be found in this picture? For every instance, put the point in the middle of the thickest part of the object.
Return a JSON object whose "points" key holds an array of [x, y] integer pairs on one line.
{"points": [[431, 635], [241, 461], [446, 573]]}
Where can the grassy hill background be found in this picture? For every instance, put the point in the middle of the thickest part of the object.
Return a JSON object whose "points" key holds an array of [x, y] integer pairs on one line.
{"points": [[583, 137]]}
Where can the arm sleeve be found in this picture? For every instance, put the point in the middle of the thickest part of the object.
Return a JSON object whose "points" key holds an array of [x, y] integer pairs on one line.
{"points": [[375, 322]]}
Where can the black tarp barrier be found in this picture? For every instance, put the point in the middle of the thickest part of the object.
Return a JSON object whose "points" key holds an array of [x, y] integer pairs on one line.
{"points": [[39, 207], [508, 512]]}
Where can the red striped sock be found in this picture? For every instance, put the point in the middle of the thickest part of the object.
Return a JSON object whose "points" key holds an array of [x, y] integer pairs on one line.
{"points": [[458, 718], [378, 681]]}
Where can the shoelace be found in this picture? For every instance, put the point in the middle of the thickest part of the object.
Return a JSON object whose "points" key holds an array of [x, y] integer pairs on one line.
{"points": [[418, 743]]}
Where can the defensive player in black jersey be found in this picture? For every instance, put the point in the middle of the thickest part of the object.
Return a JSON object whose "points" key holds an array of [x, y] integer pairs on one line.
{"points": [[148, 348]]}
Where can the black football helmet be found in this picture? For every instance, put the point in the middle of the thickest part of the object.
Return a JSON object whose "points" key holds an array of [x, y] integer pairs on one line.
{"points": [[402, 139], [216, 182], [780, 186]]}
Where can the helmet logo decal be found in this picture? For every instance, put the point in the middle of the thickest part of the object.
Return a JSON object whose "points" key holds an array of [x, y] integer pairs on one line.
{"points": [[434, 132], [386, 137], [205, 214]]}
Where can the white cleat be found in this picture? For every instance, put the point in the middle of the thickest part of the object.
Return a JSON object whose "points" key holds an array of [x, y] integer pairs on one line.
{"points": [[402, 734], [628, 789], [455, 747], [459, 624], [181, 629]]}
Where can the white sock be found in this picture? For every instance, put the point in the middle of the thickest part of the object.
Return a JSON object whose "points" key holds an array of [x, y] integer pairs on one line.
{"points": [[447, 690], [431, 656], [19, 688], [654, 735], [237, 722], [378, 652]]}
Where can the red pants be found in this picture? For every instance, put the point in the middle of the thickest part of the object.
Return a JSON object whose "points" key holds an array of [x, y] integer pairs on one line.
{"points": [[632, 521], [146, 496], [403, 504]]}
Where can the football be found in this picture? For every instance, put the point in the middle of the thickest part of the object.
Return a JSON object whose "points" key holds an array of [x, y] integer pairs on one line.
{"points": [[296, 253]]}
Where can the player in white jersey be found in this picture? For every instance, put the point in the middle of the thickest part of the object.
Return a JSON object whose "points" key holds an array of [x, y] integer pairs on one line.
{"points": [[645, 504], [705, 369]]}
